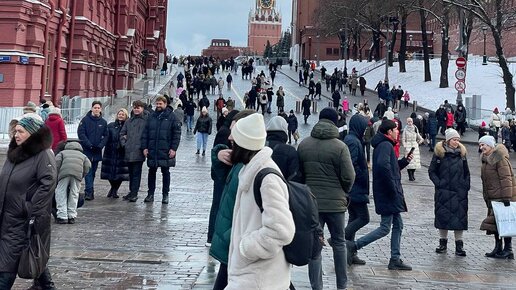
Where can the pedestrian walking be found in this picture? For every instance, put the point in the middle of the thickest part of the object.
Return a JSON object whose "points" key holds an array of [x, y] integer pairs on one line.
{"points": [[292, 126], [160, 141], [190, 107], [229, 80], [498, 184], [93, 135], [57, 127], [202, 130], [256, 259], [388, 195], [406, 99], [328, 171], [114, 167], [336, 99], [280, 99], [460, 119], [362, 83], [359, 193], [449, 172], [432, 127], [441, 116], [305, 105], [450, 119], [495, 123], [410, 140], [130, 139], [28, 179], [72, 166]]}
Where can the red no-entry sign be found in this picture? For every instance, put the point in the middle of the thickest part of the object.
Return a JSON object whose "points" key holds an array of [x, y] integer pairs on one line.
{"points": [[460, 62]]}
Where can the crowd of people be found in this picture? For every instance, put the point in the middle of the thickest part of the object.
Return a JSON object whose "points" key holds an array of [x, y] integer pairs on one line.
{"points": [[334, 161]]}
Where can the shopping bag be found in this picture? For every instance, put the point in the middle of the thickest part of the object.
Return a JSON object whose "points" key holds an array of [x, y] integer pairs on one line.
{"points": [[505, 217], [296, 135], [34, 257]]}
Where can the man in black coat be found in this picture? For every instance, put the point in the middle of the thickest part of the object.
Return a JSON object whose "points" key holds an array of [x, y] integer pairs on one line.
{"points": [[388, 195], [359, 194], [160, 141], [93, 134]]}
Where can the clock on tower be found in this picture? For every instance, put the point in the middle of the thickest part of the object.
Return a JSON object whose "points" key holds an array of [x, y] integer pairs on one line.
{"points": [[266, 4]]}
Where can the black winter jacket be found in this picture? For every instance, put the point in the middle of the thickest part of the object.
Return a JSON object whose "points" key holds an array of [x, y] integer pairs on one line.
{"points": [[360, 191], [131, 137], [284, 156], [203, 124], [114, 166], [162, 133], [292, 123], [449, 172], [387, 189], [93, 133]]}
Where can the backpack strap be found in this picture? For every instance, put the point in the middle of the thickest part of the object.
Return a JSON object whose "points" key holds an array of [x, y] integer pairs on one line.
{"points": [[258, 183]]}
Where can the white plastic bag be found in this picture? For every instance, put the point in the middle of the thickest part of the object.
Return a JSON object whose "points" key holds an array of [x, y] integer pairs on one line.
{"points": [[505, 218]]}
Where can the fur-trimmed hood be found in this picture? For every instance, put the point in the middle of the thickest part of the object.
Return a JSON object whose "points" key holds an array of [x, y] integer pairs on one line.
{"points": [[499, 153], [36, 143], [439, 150]]}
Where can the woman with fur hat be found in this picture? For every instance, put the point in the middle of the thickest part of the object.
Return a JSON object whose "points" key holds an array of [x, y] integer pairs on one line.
{"points": [[256, 259], [449, 172], [57, 127], [114, 167], [27, 183], [498, 184]]}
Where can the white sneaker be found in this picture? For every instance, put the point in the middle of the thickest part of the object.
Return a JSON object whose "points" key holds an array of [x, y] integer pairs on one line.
{"points": [[207, 244]]}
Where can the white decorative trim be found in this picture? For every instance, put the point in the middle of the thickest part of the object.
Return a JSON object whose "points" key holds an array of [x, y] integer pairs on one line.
{"points": [[21, 53], [94, 24]]}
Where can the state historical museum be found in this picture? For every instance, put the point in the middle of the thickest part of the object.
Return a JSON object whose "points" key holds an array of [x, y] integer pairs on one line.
{"points": [[87, 48]]}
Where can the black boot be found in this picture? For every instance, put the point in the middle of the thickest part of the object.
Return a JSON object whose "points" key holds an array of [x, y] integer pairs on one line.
{"points": [[497, 249], [442, 246], [110, 193], [44, 281], [115, 194], [413, 175], [507, 250], [459, 249], [165, 199], [149, 198]]}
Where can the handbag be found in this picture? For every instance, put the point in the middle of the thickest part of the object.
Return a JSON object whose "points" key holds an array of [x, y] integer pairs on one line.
{"points": [[296, 135], [34, 257], [505, 217]]}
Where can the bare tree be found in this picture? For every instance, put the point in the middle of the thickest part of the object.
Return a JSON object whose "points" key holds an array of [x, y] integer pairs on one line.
{"points": [[498, 16], [423, 14]]}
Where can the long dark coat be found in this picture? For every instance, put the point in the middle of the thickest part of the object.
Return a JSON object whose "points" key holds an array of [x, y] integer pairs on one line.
{"points": [[114, 166], [449, 172], [162, 133], [306, 104], [29, 169]]}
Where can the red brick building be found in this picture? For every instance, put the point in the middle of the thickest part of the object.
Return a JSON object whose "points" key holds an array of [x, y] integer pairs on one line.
{"points": [[87, 48], [264, 25], [222, 49]]}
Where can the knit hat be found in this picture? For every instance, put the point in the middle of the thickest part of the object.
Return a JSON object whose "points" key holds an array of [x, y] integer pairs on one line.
{"points": [[204, 110], [32, 125], [329, 114], [386, 126], [483, 125], [277, 123], [29, 108], [291, 111], [451, 133], [224, 110], [249, 132], [488, 140], [55, 111]]}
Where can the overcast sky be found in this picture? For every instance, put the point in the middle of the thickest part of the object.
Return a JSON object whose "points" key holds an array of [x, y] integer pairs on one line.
{"points": [[192, 24]]}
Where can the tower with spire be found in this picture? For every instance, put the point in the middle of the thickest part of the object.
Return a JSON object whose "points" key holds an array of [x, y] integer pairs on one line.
{"points": [[264, 25]]}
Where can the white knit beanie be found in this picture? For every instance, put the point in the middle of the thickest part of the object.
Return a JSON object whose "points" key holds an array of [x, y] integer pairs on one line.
{"points": [[277, 123], [249, 132], [451, 133], [488, 140]]}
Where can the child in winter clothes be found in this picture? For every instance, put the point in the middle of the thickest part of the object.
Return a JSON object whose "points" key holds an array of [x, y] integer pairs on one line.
{"points": [[72, 166], [483, 130], [450, 120]]}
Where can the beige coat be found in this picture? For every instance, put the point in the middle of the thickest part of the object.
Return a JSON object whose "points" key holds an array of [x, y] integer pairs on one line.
{"points": [[256, 258], [411, 138], [498, 183]]}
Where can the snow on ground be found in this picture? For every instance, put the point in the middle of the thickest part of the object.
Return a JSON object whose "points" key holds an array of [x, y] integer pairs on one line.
{"points": [[484, 80]]}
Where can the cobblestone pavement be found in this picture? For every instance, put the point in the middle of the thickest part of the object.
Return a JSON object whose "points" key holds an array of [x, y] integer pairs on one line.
{"points": [[120, 245]]}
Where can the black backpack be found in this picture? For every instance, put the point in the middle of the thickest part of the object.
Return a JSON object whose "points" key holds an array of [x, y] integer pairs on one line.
{"points": [[307, 243]]}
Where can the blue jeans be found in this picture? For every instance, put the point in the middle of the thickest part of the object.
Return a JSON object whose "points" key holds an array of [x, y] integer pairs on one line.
{"points": [[358, 218], [202, 139], [189, 122], [7, 280], [90, 178], [383, 230], [335, 222]]}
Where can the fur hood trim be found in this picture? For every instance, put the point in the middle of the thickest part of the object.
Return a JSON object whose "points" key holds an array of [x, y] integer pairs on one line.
{"points": [[439, 150], [36, 143], [499, 153]]}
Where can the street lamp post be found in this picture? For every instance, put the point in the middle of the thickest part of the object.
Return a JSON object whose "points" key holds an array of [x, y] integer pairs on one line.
{"points": [[309, 49], [410, 38], [388, 49], [484, 58]]}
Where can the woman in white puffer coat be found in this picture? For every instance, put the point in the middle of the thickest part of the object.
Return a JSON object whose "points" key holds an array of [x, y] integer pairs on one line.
{"points": [[411, 138]]}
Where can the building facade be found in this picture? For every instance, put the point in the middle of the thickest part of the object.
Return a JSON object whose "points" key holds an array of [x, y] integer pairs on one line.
{"points": [[86, 48], [222, 49], [264, 25]]}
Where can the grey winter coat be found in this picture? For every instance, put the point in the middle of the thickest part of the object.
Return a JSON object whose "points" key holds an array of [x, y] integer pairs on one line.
{"points": [[30, 169], [72, 162], [130, 137]]}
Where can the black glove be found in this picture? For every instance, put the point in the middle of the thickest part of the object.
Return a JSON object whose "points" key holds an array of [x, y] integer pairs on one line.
{"points": [[507, 202]]}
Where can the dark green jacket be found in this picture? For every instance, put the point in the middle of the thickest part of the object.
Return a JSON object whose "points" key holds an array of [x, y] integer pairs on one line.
{"points": [[327, 167], [222, 236]]}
